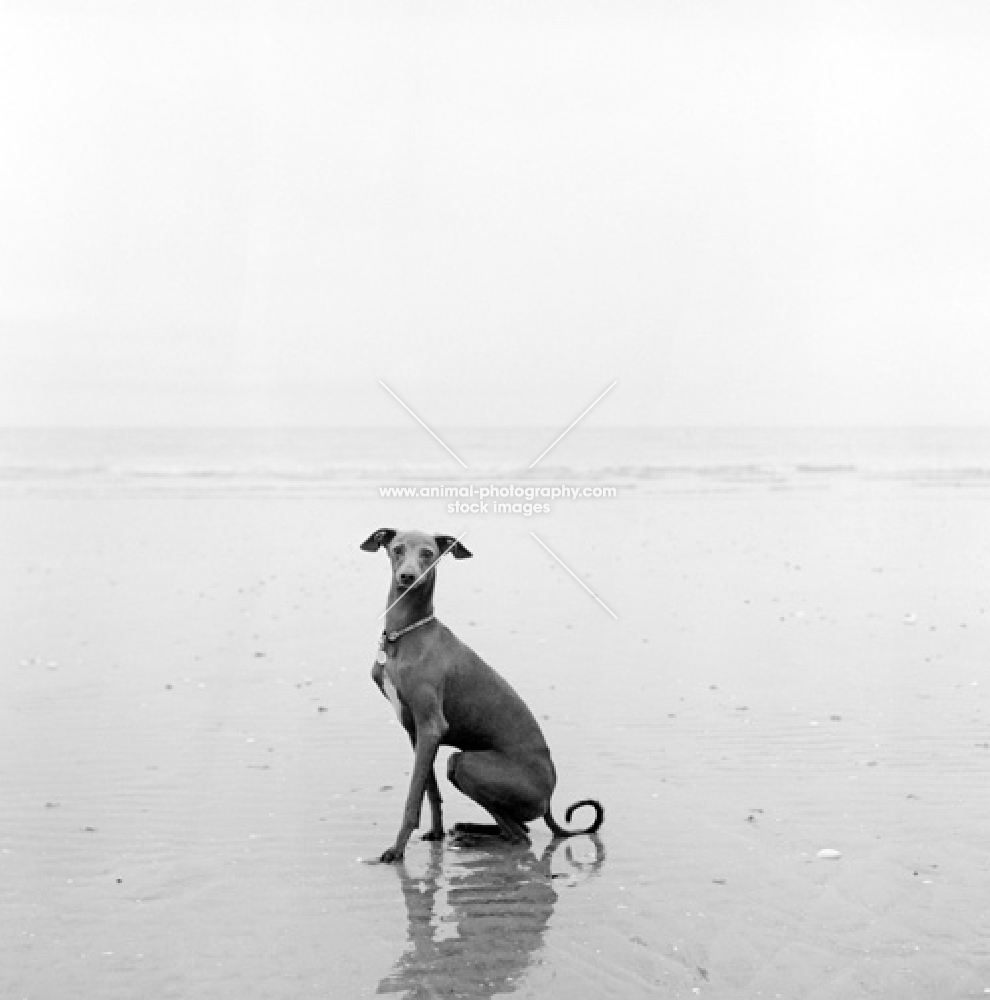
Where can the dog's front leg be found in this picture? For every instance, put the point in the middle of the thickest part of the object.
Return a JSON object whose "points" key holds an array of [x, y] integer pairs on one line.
{"points": [[436, 831], [429, 733]]}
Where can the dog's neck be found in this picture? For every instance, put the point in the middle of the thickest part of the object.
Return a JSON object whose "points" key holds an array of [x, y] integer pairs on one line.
{"points": [[412, 606]]}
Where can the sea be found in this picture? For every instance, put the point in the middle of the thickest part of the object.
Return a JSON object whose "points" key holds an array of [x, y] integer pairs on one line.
{"points": [[329, 461]]}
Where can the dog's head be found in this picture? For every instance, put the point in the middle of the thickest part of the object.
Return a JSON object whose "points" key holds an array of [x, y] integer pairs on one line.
{"points": [[413, 554]]}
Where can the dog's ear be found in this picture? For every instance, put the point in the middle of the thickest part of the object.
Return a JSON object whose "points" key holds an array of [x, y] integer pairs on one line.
{"points": [[374, 541], [447, 543]]}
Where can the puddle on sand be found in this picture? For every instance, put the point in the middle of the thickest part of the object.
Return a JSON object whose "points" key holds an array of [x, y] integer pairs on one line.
{"points": [[477, 915]]}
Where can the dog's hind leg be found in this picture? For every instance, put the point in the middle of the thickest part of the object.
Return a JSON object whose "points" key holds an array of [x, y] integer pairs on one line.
{"points": [[501, 787], [483, 829]]}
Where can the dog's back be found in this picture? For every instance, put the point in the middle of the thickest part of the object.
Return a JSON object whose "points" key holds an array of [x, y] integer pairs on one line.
{"points": [[482, 709]]}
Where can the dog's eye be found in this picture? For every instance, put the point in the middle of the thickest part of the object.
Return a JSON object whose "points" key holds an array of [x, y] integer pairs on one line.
{"points": [[425, 554]]}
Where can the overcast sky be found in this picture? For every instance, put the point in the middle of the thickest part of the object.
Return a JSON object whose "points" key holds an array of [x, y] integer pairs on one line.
{"points": [[250, 212]]}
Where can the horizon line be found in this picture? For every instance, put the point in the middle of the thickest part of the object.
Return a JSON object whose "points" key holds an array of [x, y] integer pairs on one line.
{"points": [[391, 427]]}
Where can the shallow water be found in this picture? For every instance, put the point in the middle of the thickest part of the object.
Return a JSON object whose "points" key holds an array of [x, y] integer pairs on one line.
{"points": [[196, 768]]}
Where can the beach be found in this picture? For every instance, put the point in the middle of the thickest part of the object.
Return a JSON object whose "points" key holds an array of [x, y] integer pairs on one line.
{"points": [[197, 772]]}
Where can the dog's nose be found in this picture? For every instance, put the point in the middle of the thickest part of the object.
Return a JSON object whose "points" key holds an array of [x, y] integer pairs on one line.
{"points": [[405, 578]]}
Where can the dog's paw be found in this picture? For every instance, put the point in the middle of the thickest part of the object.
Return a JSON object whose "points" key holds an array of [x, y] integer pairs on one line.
{"points": [[390, 856]]}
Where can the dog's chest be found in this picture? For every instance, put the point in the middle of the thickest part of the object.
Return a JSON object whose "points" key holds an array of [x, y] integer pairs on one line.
{"points": [[391, 693], [385, 672]]}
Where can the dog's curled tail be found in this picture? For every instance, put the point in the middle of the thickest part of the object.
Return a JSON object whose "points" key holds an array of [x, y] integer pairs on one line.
{"points": [[558, 831]]}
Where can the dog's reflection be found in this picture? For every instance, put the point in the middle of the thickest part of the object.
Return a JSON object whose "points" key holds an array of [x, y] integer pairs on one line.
{"points": [[477, 916]]}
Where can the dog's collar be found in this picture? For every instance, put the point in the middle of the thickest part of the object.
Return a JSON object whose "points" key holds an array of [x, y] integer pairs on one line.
{"points": [[393, 636]]}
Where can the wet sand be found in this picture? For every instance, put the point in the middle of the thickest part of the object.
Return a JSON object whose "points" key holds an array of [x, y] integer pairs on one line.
{"points": [[196, 768]]}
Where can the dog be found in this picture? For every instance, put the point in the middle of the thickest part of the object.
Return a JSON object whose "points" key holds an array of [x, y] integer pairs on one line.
{"points": [[444, 693]]}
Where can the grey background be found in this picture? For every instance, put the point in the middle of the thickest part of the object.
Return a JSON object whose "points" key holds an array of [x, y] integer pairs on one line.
{"points": [[248, 212]]}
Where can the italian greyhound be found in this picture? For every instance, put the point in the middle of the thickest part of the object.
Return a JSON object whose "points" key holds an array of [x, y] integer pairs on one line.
{"points": [[443, 692]]}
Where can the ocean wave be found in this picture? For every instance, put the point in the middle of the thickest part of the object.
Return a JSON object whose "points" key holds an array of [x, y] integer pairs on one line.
{"points": [[306, 460], [168, 477]]}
